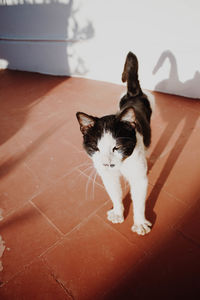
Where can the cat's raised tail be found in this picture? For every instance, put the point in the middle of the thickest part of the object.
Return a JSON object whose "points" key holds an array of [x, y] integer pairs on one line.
{"points": [[130, 75]]}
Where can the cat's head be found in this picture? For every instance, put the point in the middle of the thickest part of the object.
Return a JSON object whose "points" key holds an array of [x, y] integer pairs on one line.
{"points": [[109, 140]]}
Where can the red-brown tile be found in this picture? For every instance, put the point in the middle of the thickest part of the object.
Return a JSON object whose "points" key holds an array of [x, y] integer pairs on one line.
{"points": [[92, 259], [26, 234], [97, 98], [54, 160], [161, 209], [176, 269], [70, 200], [25, 86], [183, 180], [173, 157], [18, 185], [172, 272], [34, 282], [53, 151], [7, 204], [170, 100], [190, 224], [41, 150], [44, 120]]}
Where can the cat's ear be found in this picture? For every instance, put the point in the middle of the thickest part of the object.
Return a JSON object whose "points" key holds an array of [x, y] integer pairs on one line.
{"points": [[128, 115], [85, 121]]}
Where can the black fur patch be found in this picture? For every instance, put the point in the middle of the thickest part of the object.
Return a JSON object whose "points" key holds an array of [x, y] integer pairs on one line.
{"points": [[136, 99], [124, 132], [142, 109]]}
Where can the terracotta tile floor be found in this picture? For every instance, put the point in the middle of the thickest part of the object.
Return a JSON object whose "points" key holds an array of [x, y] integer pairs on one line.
{"points": [[56, 242]]}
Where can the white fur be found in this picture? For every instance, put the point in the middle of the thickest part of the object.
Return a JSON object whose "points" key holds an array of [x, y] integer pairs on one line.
{"points": [[134, 169]]}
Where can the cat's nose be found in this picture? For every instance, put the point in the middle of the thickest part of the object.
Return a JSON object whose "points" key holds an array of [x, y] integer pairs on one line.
{"points": [[112, 165]]}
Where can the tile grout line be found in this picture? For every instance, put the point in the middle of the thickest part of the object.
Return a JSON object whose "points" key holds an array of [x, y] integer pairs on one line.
{"points": [[73, 229], [123, 235], [50, 183], [188, 238], [21, 270], [176, 198], [154, 185], [47, 219], [145, 254], [62, 286], [51, 247], [85, 219], [94, 213], [54, 182], [50, 271], [14, 210]]}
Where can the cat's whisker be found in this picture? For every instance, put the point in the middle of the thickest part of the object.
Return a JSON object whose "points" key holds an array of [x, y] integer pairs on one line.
{"points": [[93, 183], [88, 182], [86, 188], [83, 172], [77, 167], [88, 168]]}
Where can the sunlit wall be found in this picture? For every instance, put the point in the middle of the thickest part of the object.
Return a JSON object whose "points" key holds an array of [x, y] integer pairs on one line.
{"points": [[91, 38]]}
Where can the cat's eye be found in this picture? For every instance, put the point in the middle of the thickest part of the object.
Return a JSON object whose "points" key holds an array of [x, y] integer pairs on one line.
{"points": [[116, 148]]}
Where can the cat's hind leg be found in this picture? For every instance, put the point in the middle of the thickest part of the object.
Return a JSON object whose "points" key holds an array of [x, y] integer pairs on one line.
{"points": [[135, 173]]}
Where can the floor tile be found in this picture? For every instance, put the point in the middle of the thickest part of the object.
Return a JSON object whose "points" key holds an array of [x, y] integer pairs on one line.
{"points": [[26, 234], [22, 92], [174, 150], [186, 171], [92, 259], [70, 200], [18, 185], [34, 282], [54, 205], [54, 159], [172, 272], [161, 209], [190, 225]]}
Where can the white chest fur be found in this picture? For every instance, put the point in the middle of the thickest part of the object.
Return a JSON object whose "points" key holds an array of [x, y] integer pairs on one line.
{"points": [[110, 166]]}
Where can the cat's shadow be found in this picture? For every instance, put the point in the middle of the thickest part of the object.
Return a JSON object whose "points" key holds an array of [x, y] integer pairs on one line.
{"points": [[189, 122], [173, 84], [127, 204], [149, 212]]}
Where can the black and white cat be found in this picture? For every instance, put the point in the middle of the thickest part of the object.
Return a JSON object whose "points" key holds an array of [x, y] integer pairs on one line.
{"points": [[117, 144]]}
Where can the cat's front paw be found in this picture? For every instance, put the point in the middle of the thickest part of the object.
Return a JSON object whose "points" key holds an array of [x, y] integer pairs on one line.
{"points": [[142, 228], [113, 217]]}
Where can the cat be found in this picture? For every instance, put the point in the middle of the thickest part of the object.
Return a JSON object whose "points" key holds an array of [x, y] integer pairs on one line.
{"points": [[117, 146]]}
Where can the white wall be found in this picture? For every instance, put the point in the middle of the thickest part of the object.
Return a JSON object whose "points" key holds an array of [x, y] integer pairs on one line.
{"points": [[94, 36]]}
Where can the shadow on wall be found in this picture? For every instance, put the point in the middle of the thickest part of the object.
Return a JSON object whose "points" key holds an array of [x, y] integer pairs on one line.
{"points": [[173, 85], [41, 37]]}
